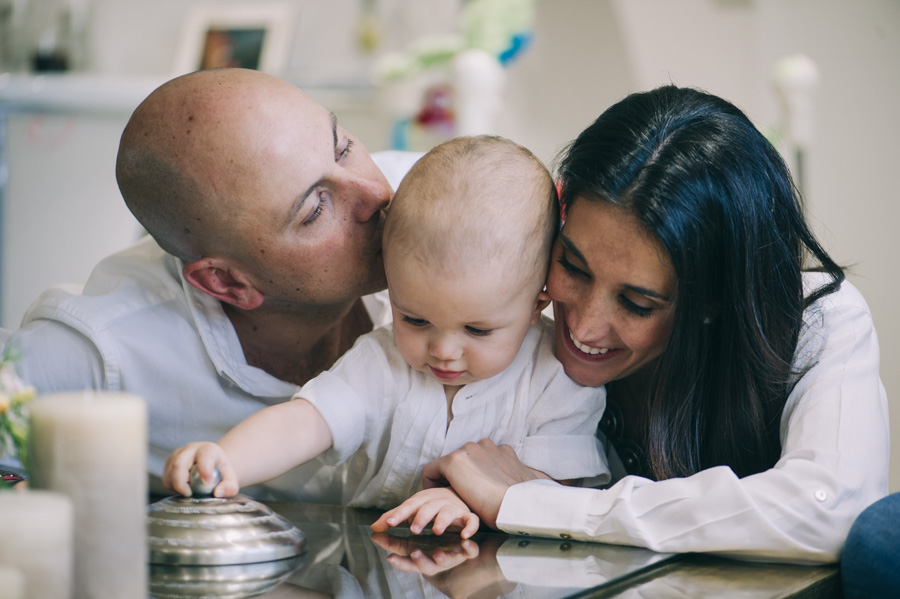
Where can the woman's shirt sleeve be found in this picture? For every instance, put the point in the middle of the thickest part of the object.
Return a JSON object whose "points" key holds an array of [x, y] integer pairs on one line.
{"points": [[834, 463]]}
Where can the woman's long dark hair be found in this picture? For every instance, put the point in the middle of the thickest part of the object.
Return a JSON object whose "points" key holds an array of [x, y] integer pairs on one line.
{"points": [[717, 195]]}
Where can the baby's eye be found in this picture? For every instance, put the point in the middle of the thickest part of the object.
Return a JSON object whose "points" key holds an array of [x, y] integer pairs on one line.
{"points": [[416, 322], [479, 332]]}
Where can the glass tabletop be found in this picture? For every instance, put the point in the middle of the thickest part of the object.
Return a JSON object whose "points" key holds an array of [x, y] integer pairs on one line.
{"points": [[344, 558]]}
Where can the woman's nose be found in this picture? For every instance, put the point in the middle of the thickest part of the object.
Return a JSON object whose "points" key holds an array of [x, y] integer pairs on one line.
{"points": [[592, 321]]}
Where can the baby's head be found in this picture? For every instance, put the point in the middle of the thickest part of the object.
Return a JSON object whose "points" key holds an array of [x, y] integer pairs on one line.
{"points": [[466, 249]]}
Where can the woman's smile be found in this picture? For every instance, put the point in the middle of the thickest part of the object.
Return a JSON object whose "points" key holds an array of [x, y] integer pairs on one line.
{"points": [[587, 349]]}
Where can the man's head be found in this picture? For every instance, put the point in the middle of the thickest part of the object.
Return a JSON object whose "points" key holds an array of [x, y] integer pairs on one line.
{"points": [[467, 245], [254, 186]]}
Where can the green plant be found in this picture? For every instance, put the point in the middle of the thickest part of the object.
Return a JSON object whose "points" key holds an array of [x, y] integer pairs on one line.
{"points": [[15, 395]]}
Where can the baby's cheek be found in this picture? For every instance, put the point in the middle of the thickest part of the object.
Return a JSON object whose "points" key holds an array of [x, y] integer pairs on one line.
{"points": [[410, 349]]}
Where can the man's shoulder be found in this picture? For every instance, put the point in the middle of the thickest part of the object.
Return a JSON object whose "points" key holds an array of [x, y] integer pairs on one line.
{"points": [[378, 306], [121, 286], [395, 164]]}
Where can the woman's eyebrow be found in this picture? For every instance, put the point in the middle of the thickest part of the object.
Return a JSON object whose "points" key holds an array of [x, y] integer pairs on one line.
{"points": [[647, 292], [570, 245], [577, 253]]}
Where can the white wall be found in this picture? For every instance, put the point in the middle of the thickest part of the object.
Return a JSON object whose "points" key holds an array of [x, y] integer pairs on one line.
{"points": [[589, 53]]}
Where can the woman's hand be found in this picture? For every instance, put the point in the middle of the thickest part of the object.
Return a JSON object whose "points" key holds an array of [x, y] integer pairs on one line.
{"points": [[440, 505], [480, 473], [208, 457]]}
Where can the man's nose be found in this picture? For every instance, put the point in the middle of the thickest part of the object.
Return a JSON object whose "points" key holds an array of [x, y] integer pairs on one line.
{"points": [[371, 195]]}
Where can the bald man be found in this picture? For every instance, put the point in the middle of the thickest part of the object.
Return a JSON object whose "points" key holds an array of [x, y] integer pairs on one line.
{"points": [[265, 220]]}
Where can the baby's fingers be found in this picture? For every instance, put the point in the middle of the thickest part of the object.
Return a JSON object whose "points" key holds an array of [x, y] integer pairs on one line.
{"points": [[396, 516], [427, 512], [230, 484], [471, 527], [176, 476], [453, 518]]}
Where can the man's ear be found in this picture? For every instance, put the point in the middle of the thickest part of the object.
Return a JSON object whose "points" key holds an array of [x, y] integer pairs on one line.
{"points": [[214, 277], [543, 300]]}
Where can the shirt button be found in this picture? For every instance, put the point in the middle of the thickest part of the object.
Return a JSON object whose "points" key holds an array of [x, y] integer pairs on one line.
{"points": [[821, 495], [565, 535]]}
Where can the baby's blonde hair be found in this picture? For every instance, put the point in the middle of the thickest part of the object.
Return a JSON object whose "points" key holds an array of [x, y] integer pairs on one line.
{"points": [[476, 202]]}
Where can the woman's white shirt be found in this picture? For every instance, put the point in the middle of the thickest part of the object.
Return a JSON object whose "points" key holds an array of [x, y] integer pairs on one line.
{"points": [[834, 463]]}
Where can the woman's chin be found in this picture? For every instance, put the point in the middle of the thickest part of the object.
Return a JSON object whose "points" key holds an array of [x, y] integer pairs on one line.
{"points": [[590, 370], [588, 375]]}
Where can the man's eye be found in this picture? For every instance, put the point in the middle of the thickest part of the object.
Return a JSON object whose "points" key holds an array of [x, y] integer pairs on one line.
{"points": [[345, 150], [479, 332], [416, 322], [319, 207]]}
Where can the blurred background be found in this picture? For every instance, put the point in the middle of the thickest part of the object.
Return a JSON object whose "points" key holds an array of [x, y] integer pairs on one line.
{"points": [[820, 77]]}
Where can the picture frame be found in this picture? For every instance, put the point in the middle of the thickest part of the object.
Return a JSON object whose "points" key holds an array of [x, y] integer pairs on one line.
{"points": [[254, 35]]}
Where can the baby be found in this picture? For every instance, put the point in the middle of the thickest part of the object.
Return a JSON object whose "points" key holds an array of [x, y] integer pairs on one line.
{"points": [[466, 251]]}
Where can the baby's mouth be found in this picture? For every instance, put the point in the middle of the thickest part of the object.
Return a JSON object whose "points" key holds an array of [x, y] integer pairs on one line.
{"points": [[445, 374], [586, 349]]}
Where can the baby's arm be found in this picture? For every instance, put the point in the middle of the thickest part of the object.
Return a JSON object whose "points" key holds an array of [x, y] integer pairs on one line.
{"points": [[259, 448], [441, 505]]}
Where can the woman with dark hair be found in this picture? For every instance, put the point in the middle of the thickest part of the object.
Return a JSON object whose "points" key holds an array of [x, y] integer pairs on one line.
{"points": [[744, 401]]}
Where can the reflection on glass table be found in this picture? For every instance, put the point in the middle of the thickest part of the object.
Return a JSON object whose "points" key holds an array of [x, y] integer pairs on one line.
{"points": [[345, 559]]}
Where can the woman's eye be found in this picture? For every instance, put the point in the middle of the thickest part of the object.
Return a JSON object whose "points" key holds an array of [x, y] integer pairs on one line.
{"points": [[634, 308], [416, 322], [479, 332], [569, 267]]}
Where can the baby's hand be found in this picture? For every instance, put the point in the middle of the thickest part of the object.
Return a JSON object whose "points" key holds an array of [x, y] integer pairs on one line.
{"points": [[441, 504], [208, 457]]}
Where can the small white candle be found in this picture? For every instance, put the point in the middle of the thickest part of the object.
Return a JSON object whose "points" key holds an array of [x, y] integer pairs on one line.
{"points": [[92, 447], [35, 545]]}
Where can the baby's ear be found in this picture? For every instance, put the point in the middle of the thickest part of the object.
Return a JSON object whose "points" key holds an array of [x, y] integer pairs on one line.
{"points": [[542, 301]]}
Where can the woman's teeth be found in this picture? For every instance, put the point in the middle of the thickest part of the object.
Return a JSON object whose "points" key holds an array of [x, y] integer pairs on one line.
{"points": [[587, 349]]}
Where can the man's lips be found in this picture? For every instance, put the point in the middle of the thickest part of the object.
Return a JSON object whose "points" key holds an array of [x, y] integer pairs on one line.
{"points": [[446, 375]]}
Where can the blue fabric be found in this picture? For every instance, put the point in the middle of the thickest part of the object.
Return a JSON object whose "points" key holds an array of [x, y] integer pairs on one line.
{"points": [[870, 562]]}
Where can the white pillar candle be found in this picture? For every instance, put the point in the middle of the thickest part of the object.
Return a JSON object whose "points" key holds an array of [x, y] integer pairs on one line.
{"points": [[92, 447], [36, 543]]}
